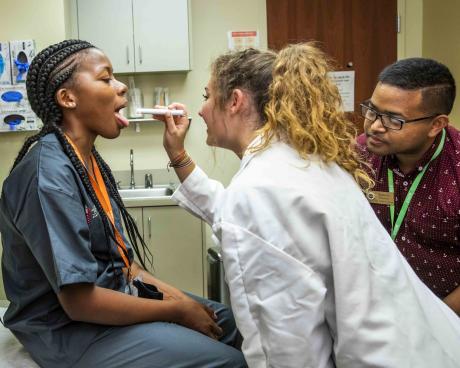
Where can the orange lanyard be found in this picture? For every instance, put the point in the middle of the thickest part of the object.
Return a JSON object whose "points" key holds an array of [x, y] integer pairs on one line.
{"points": [[103, 197]]}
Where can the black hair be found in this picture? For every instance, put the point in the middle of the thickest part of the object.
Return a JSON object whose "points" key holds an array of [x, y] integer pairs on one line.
{"points": [[49, 70], [433, 78]]}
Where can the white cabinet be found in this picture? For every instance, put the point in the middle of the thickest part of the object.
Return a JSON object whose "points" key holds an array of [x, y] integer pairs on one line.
{"points": [[108, 25], [161, 35], [137, 35], [175, 239]]}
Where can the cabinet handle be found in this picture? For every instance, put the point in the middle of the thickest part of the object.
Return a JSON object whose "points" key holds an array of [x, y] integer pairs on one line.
{"points": [[140, 54], [127, 54], [150, 227]]}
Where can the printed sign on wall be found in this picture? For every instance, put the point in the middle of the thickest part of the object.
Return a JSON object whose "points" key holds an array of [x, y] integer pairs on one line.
{"points": [[240, 40], [345, 82]]}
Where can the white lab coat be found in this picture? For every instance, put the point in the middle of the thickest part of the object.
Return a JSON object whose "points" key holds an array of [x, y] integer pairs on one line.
{"points": [[315, 280]]}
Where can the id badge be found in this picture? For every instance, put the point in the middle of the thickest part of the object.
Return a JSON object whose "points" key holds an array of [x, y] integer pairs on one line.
{"points": [[376, 197]]}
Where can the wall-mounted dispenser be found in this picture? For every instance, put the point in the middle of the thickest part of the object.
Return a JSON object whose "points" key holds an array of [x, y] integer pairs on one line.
{"points": [[15, 111], [22, 52], [11, 122], [13, 98]]}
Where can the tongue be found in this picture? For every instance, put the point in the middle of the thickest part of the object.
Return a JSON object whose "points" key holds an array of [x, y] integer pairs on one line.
{"points": [[121, 119]]}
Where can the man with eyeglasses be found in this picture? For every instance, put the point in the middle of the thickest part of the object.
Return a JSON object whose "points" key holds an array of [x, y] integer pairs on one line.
{"points": [[415, 156]]}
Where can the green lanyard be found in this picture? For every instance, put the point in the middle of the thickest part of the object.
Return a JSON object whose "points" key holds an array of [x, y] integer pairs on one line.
{"points": [[402, 213]]}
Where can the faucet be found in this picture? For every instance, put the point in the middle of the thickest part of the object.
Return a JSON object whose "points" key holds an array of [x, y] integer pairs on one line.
{"points": [[132, 184]]}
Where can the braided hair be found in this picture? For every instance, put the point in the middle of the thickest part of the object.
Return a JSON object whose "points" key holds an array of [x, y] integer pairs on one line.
{"points": [[50, 69]]}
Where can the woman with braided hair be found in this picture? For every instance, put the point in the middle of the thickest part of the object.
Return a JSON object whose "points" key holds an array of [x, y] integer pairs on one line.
{"points": [[77, 297]]}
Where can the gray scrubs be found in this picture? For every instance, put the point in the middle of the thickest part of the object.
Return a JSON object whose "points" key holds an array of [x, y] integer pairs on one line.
{"points": [[53, 236]]}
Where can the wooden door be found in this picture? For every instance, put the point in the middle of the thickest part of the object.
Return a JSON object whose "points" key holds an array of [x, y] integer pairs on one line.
{"points": [[359, 35]]}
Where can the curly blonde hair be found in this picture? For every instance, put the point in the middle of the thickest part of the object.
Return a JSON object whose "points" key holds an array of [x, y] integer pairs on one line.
{"points": [[305, 111]]}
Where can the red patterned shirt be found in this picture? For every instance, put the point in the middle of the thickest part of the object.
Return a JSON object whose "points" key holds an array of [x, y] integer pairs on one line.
{"points": [[430, 232]]}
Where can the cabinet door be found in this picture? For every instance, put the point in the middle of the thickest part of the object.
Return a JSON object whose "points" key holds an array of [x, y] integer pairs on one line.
{"points": [[175, 240], [161, 35], [108, 24]]}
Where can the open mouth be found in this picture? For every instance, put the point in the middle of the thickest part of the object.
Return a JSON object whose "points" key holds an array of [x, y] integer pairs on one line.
{"points": [[122, 121]]}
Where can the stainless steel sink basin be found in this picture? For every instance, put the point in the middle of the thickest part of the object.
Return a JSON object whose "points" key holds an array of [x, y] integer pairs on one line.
{"points": [[145, 193]]}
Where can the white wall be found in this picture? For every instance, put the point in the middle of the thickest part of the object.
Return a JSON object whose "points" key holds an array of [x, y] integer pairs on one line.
{"points": [[410, 36], [430, 28], [441, 41]]}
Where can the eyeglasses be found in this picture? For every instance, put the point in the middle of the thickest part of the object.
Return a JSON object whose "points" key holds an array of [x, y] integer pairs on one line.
{"points": [[388, 121]]}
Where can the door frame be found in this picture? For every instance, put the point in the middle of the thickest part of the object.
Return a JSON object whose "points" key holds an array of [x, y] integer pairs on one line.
{"points": [[410, 36]]}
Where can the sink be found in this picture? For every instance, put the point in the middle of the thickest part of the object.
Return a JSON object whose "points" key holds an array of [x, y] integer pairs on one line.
{"points": [[145, 192]]}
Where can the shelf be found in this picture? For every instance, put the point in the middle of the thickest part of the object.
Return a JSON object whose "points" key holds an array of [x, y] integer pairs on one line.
{"points": [[134, 122]]}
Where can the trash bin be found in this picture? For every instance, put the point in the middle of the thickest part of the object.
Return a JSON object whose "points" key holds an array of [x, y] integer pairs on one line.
{"points": [[217, 287]]}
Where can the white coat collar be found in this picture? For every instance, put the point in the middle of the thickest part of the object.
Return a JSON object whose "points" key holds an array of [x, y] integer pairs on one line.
{"points": [[249, 154]]}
